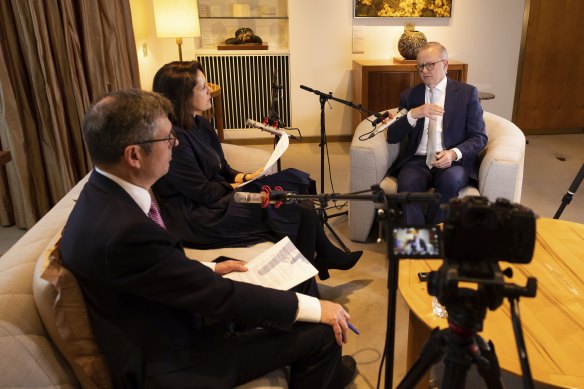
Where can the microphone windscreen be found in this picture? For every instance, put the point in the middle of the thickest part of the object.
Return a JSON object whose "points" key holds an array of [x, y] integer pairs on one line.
{"points": [[248, 197]]}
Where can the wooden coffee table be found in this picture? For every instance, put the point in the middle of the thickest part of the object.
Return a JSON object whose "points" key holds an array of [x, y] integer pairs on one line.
{"points": [[553, 321]]}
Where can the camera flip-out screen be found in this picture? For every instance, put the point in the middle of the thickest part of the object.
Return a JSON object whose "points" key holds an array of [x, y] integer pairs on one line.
{"points": [[417, 242]]}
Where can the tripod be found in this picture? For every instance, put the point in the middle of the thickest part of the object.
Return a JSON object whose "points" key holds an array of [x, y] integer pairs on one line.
{"points": [[467, 310], [389, 212], [323, 98], [568, 196]]}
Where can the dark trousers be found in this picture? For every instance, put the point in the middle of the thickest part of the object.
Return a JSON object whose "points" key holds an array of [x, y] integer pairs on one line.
{"points": [[226, 361], [414, 176]]}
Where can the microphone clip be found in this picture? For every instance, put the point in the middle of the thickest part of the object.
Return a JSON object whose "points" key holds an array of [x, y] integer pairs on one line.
{"points": [[266, 190]]}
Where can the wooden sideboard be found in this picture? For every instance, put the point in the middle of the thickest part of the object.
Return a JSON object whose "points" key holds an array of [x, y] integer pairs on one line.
{"points": [[378, 83]]}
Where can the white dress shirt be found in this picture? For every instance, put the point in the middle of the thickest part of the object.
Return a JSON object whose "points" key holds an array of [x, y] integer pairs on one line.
{"points": [[441, 90]]}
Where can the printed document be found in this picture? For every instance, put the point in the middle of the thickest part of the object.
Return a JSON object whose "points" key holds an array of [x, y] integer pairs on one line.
{"points": [[279, 150], [282, 267]]}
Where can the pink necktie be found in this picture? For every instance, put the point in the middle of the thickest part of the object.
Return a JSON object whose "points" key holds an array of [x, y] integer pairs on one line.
{"points": [[154, 214]]}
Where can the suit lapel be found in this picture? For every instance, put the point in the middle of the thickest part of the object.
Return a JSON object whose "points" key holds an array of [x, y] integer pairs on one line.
{"points": [[450, 102], [418, 97]]}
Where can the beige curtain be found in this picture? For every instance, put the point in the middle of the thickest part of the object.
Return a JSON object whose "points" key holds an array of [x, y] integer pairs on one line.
{"points": [[56, 57]]}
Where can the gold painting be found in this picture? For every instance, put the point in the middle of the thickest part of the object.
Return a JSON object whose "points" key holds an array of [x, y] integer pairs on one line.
{"points": [[403, 8]]}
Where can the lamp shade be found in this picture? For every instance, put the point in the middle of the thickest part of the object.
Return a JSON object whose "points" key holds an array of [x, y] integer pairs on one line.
{"points": [[176, 18]]}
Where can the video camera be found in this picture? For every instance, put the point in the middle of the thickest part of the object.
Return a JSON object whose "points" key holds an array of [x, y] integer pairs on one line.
{"points": [[477, 230], [474, 230]]}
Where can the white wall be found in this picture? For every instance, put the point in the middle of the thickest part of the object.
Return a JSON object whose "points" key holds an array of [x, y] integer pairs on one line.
{"points": [[484, 34]]}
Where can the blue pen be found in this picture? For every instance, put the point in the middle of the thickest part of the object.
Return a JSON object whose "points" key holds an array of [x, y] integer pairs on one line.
{"points": [[353, 328]]}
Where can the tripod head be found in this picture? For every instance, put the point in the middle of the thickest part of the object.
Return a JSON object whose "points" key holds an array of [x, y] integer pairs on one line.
{"points": [[467, 307]]}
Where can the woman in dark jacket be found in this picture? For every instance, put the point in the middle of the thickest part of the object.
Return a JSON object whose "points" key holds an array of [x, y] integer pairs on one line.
{"points": [[196, 196]]}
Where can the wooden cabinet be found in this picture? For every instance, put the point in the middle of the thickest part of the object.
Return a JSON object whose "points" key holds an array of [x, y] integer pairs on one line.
{"points": [[377, 84]]}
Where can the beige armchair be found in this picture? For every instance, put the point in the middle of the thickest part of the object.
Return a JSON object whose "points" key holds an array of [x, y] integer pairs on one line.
{"points": [[500, 174]]}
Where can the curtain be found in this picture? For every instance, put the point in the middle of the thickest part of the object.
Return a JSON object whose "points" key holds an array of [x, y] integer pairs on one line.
{"points": [[56, 57]]}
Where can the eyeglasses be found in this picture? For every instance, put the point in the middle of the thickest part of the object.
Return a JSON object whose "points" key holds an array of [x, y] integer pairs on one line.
{"points": [[429, 66], [171, 140]]}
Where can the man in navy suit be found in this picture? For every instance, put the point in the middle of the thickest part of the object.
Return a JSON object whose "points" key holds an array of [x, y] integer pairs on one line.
{"points": [[149, 305], [441, 136]]}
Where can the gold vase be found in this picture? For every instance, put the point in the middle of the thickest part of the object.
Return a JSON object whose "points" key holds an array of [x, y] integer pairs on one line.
{"points": [[410, 42]]}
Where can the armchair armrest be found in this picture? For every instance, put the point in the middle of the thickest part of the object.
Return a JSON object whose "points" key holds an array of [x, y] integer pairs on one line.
{"points": [[501, 168], [369, 161], [245, 158]]}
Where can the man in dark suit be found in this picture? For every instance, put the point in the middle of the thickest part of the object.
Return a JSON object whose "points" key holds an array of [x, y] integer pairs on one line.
{"points": [[441, 136], [149, 304]]}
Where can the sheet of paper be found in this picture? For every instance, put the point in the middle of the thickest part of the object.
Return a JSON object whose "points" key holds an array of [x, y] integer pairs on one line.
{"points": [[279, 150], [282, 267]]}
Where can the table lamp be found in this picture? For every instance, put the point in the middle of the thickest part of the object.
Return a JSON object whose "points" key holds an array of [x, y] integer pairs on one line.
{"points": [[176, 19]]}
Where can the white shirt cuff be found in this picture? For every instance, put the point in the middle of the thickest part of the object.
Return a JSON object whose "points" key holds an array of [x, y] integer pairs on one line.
{"points": [[210, 265], [308, 309], [458, 153], [411, 120]]}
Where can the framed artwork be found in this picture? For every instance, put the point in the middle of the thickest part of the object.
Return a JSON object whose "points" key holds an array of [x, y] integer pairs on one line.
{"points": [[403, 8]]}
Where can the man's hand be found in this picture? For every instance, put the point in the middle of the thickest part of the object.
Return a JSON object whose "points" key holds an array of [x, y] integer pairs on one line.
{"points": [[444, 159], [430, 111], [229, 266], [335, 316]]}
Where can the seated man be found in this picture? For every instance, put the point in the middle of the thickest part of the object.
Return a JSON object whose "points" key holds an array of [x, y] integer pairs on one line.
{"points": [[441, 135], [147, 302]]}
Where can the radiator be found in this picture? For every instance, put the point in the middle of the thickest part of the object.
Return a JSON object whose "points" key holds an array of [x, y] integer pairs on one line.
{"points": [[245, 82]]}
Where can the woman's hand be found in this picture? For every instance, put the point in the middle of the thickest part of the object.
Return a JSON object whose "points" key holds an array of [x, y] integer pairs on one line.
{"points": [[251, 176], [229, 266]]}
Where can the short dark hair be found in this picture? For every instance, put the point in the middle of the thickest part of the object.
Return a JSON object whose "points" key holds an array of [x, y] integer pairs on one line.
{"points": [[120, 119], [176, 81]]}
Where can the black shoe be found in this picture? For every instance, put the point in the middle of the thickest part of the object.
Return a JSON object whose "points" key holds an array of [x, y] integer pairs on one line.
{"points": [[341, 261], [346, 372]]}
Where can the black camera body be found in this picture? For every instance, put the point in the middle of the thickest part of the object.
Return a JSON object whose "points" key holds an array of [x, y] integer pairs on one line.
{"points": [[477, 230]]}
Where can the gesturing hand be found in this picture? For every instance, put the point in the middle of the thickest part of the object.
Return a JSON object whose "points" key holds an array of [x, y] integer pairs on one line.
{"points": [[428, 110], [335, 316]]}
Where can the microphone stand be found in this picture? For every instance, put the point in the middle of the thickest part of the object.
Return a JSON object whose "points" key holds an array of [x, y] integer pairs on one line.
{"points": [[273, 116], [389, 212], [323, 98]]}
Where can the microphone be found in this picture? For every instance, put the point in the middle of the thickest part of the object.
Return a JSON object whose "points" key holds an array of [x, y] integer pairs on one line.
{"points": [[382, 128], [381, 118], [269, 129], [264, 198]]}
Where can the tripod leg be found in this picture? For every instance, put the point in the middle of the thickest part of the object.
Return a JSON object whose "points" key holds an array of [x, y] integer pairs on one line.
{"points": [[488, 364], [432, 352], [457, 362]]}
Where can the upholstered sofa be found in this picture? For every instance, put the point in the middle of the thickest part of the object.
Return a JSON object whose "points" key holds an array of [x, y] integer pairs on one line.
{"points": [[29, 358], [500, 174]]}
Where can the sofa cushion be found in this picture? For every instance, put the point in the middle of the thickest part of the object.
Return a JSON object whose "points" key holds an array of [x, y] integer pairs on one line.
{"points": [[62, 309]]}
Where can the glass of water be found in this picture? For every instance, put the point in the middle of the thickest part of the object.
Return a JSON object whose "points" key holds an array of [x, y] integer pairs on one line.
{"points": [[438, 309]]}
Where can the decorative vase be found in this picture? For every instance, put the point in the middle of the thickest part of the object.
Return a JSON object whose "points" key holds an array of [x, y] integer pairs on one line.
{"points": [[410, 42]]}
